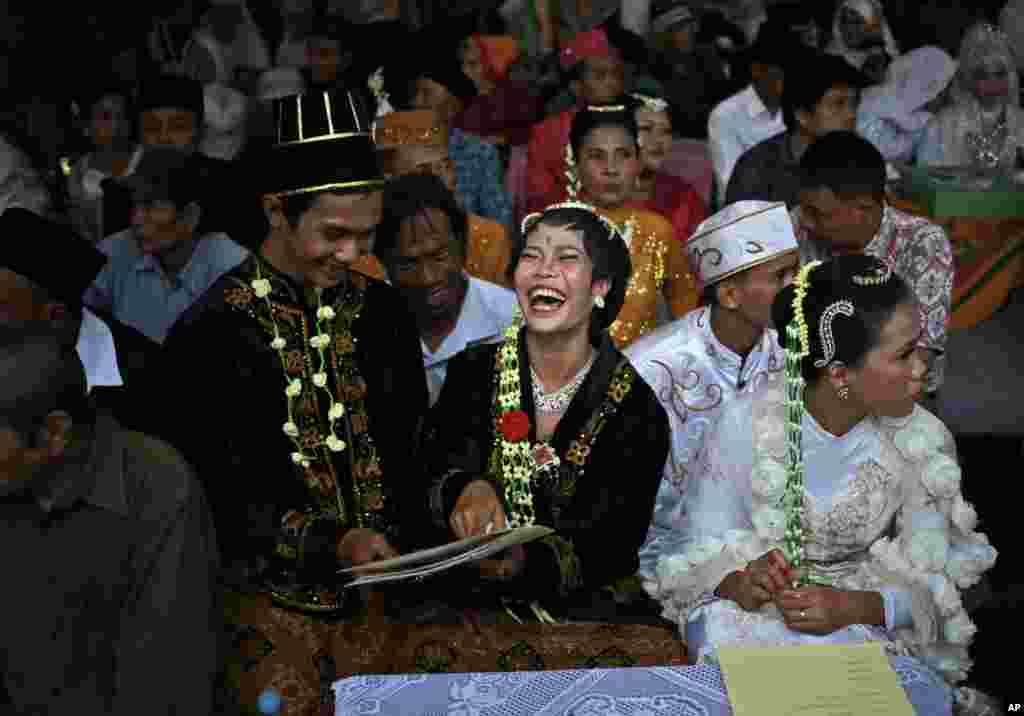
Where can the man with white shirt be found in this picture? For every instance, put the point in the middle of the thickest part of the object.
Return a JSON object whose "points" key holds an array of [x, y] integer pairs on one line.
{"points": [[44, 269], [755, 113], [743, 256], [421, 242]]}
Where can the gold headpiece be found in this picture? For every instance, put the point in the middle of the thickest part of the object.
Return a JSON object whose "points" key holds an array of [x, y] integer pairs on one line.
{"points": [[531, 219]]}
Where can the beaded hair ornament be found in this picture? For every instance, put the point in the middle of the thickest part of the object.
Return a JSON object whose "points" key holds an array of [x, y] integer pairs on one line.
{"points": [[625, 232], [572, 180], [798, 347]]}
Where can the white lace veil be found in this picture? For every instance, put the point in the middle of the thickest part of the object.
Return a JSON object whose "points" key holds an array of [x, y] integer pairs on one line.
{"points": [[984, 43]]}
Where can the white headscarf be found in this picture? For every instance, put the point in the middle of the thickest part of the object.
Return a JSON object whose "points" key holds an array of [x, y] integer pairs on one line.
{"points": [[1011, 21], [869, 10], [912, 81]]}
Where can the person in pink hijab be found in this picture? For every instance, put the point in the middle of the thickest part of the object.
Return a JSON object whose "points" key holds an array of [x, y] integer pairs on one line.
{"points": [[597, 77]]}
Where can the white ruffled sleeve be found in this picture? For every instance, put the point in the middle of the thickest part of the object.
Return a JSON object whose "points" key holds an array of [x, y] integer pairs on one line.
{"points": [[936, 550], [718, 536]]}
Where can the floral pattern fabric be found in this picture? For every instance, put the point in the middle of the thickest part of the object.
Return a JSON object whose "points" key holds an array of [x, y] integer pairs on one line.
{"points": [[658, 691], [694, 377]]}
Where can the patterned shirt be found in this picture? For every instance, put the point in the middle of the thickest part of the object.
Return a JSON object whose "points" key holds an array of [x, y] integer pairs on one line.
{"points": [[478, 177], [919, 251]]}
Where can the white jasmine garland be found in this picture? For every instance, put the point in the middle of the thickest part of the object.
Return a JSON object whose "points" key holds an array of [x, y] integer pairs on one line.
{"points": [[945, 594], [968, 560], [942, 476], [261, 287], [963, 515], [928, 549], [959, 629], [916, 443]]}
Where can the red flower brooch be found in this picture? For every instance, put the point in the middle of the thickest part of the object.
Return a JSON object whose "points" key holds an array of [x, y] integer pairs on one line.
{"points": [[515, 426]]}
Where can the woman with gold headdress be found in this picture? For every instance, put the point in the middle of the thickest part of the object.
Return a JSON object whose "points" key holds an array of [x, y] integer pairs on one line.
{"points": [[603, 156], [542, 428], [826, 508]]}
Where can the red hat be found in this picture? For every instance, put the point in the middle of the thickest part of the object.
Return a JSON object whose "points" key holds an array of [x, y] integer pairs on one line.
{"points": [[593, 43]]}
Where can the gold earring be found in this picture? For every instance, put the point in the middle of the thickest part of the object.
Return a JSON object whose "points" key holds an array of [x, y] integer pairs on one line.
{"points": [[844, 392]]}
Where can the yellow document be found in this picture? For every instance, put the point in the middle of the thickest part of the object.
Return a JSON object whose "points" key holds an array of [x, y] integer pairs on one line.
{"points": [[825, 680]]}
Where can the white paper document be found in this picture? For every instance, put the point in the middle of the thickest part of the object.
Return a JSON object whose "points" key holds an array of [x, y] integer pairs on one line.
{"points": [[441, 558]]}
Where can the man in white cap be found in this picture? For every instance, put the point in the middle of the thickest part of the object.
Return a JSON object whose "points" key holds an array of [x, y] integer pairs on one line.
{"points": [[743, 256]]}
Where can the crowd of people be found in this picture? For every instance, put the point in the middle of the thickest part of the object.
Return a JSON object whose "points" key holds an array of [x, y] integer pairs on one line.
{"points": [[320, 297]]}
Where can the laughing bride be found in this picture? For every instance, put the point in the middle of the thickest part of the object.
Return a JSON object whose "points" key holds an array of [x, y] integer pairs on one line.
{"points": [[553, 427]]}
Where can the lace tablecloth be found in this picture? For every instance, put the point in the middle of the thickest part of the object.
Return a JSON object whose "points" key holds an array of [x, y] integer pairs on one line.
{"points": [[652, 691]]}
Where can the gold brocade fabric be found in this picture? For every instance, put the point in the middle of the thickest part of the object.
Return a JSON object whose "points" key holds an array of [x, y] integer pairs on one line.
{"points": [[487, 254], [660, 266]]}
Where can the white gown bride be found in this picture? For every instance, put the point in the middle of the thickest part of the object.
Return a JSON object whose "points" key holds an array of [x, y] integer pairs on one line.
{"points": [[883, 512]]}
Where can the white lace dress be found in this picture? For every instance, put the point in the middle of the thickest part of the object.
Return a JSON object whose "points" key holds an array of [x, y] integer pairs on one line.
{"points": [[884, 513]]}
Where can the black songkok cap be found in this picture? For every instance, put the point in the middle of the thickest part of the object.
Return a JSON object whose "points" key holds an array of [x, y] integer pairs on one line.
{"points": [[48, 254], [322, 143], [171, 92]]}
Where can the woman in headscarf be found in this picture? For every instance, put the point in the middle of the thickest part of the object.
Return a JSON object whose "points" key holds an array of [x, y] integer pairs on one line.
{"points": [[861, 35], [893, 115], [519, 424], [984, 126]]}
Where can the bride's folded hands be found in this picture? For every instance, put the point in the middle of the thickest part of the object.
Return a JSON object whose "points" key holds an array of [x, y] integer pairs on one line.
{"points": [[477, 511], [756, 585], [362, 546], [823, 610]]}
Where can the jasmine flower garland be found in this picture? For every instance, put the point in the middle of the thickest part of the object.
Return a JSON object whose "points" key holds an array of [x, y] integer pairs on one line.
{"points": [[512, 458], [798, 347], [320, 342]]}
